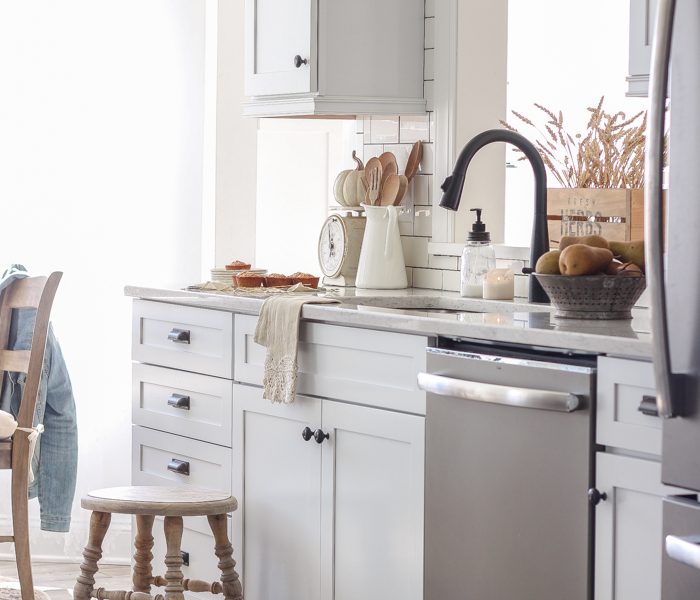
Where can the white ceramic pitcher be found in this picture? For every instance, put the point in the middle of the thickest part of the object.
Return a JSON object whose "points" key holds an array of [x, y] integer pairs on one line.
{"points": [[381, 263]]}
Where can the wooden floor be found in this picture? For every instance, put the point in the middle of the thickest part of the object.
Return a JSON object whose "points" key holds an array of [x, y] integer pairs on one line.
{"points": [[55, 579]]}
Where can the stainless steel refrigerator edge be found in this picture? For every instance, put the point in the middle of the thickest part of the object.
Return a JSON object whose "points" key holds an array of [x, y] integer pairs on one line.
{"points": [[675, 293]]}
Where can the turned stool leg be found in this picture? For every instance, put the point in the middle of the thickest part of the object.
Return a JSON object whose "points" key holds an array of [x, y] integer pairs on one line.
{"points": [[99, 523], [143, 571], [173, 559], [223, 550]]}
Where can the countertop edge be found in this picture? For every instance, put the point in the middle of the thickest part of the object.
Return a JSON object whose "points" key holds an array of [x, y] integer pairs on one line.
{"points": [[335, 314]]}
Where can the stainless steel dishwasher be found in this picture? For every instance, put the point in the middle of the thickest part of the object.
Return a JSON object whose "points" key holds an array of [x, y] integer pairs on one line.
{"points": [[509, 463]]}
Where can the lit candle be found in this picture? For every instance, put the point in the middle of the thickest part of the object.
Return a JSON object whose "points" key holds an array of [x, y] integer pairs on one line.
{"points": [[499, 285]]}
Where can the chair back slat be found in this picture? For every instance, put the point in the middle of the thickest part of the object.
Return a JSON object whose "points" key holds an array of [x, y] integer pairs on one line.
{"points": [[31, 292], [26, 295], [14, 360]]}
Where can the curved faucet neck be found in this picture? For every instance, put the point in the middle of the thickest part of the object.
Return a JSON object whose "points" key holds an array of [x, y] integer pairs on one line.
{"points": [[454, 184]]}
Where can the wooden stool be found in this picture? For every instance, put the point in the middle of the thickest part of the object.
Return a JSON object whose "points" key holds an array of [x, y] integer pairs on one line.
{"points": [[146, 503]]}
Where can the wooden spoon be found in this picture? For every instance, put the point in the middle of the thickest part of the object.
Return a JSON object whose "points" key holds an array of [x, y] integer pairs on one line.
{"points": [[403, 186], [373, 165], [390, 191], [390, 168], [386, 158], [414, 160]]}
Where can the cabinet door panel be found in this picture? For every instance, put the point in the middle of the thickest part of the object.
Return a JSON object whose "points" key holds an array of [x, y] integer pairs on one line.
{"points": [[276, 32], [277, 524], [629, 542], [372, 503]]}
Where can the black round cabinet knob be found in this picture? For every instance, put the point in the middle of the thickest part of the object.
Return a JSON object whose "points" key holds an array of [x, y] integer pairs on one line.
{"points": [[319, 436], [298, 61], [594, 496], [307, 434]]}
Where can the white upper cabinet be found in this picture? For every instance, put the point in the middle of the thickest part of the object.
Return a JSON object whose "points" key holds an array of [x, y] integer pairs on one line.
{"points": [[280, 34], [642, 17], [334, 58]]}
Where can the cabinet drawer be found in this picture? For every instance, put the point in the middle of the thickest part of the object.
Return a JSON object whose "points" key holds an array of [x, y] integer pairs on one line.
{"points": [[186, 404], [622, 385], [198, 544], [183, 337], [375, 368], [156, 455]]}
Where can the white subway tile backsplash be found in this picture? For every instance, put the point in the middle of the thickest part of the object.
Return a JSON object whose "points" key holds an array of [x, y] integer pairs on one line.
{"points": [[429, 8], [359, 124], [419, 190], [372, 150], [406, 227], [384, 130], [413, 129], [409, 276], [423, 221], [430, 33], [406, 217], [415, 251], [427, 278], [451, 281], [428, 69], [443, 262]]}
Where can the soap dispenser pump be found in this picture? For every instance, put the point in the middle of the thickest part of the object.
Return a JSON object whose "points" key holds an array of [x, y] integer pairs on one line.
{"points": [[478, 257]]}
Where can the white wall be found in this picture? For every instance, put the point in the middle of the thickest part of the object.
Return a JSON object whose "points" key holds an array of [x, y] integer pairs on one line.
{"points": [[564, 54], [236, 145], [101, 121], [481, 102]]}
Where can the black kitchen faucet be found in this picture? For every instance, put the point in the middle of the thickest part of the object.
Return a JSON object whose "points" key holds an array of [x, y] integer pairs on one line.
{"points": [[452, 188]]}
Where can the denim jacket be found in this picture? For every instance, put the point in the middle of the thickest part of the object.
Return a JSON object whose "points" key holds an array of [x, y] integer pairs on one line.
{"points": [[55, 461]]}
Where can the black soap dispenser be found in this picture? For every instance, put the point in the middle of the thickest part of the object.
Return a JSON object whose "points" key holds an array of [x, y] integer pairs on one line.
{"points": [[478, 257]]}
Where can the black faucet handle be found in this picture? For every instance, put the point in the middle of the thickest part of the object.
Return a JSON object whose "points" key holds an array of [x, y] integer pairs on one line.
{"points": [[446, 184]]}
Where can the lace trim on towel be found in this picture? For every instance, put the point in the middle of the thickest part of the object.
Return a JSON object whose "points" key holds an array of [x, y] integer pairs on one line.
{"points": [[280, 379]]}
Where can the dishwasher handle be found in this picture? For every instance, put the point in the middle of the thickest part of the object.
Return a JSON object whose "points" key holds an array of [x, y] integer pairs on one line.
{"points": [[498, 394]]}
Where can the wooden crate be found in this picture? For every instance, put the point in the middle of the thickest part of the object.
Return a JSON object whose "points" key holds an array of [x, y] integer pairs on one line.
{"points": [[593, 211]]}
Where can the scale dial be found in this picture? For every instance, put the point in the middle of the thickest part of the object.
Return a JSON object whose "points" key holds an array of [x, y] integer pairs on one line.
{"points": [[332, 246]]}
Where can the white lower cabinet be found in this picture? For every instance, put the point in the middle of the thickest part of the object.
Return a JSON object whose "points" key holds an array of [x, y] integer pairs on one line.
{"points": [[337, 519], [629, 542]]}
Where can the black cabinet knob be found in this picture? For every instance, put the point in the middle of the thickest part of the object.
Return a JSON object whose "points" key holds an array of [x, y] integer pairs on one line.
{"points": [[307, 434], [298, 61], [595, 496], [185, 558], [319, 436]]}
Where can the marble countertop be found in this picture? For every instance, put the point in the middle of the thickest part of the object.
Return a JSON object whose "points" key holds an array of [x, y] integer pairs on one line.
{"points": [[414, 311]]}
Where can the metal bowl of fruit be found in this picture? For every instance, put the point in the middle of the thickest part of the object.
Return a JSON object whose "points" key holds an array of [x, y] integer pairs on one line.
{"points": [[587, 282]]}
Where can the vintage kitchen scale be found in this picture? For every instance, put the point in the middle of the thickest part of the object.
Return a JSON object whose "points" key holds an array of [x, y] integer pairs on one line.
{"points": [[339, 245]]}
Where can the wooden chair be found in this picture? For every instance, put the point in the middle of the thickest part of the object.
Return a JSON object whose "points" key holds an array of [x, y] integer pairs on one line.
{"points": [[31, 292], [147, 502]]}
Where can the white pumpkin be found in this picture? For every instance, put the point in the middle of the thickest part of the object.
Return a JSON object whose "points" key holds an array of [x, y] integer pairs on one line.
{"points": [[349, 187], [8, 425]]}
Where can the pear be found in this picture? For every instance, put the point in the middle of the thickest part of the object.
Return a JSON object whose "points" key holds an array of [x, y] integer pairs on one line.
{"points": [[589, 240], [580, 259], [548, 263], [629, 270], [632, 252]]}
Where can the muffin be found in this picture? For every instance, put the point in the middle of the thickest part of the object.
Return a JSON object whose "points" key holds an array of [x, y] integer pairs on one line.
{"points": [[277, 280], [249, 280], [237, 265], [306, 278]]}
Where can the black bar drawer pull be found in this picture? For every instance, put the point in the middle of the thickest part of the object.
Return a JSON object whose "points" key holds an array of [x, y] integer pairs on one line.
{"points": [[179, 336], [179, 401], [648, 406], [179, 466], [185, 558]]}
